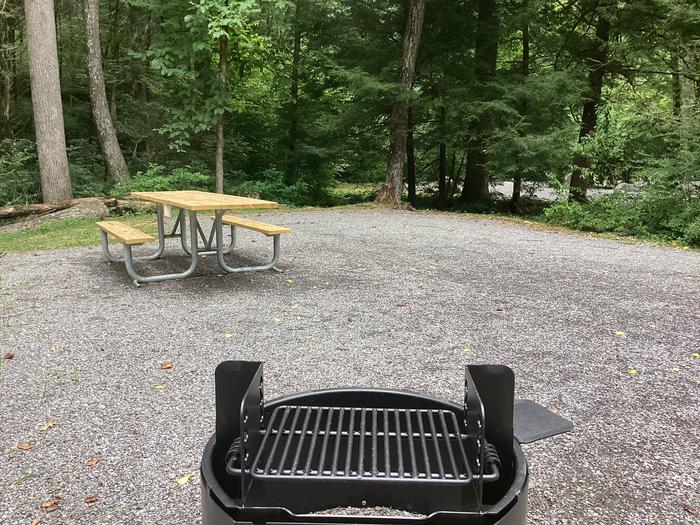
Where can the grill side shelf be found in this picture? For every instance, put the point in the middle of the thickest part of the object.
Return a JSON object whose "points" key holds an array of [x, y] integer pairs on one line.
{"points": [[368, 444]]}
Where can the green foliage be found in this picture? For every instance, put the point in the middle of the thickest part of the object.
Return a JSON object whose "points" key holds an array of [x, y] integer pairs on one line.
{"points": [[661, 212], [271, 186], [159, 178], [19, 174]]}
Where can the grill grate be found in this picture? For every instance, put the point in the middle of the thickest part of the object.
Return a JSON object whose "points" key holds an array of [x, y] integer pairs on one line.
{"points": [[304, 442]]}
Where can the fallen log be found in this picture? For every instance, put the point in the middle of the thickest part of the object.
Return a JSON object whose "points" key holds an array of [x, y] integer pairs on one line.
{"points": [[13, 211]]}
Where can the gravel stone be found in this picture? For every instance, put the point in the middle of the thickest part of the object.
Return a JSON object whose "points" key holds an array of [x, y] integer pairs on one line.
{"points": [[601, 330]]}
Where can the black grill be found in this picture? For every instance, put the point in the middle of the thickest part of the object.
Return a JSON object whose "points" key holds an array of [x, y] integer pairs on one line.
{"points": [[377, 443], [281, 461]]}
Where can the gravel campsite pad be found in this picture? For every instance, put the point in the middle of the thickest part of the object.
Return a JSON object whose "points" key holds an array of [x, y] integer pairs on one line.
{"points": [[107, 389]]}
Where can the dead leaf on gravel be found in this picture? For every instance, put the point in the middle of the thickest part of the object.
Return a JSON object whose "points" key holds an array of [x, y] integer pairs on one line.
{"points": [[160, 386], [228, 335], [695, 355], [620, 333], [36, 522], [25, 446], [184, 480], [51, 503], [468, 350], [92, 462], [402, 304], [690, 510], [89, 500], [632, 372], [165, 365], [8, 355], [553, 410], [52, 349], [48, 425]]}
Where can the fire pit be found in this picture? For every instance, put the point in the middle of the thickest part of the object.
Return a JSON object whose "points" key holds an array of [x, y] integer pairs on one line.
{"points": [[283, 461]]}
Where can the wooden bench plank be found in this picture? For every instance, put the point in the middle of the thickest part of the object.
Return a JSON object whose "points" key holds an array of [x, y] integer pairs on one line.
{"points": [[262, 227], [125, 233]]}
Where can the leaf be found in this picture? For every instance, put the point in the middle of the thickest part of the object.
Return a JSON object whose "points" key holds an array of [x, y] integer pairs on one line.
{"points": [[8, 355], [690, 510], [51, 503], [695, 355], [48, 425], [92, 462], [160, 386], [553, 410], [632, 372], [166, 365], [36, 522], [89, 500], [25, 446], [620, 333], [290, 281], [468, 350], [52, 349], [184, 479], [402, 304], [228, 335]]}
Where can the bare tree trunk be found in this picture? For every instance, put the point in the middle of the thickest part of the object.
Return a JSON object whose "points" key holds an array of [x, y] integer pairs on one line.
{"points": [[292, 160], [106, 135], [46, 100], [525, 70], [390, 193], [597, 62], [410, 160], [476, 178], [113, 53], [442, 177], [223, 74], [676, 84]]}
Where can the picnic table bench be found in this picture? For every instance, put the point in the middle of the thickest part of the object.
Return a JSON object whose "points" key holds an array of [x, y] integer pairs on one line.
{"points": [[188, 204]]}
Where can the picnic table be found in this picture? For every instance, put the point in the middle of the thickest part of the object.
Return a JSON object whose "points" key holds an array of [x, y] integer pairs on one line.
{"points": [[189, 230]]}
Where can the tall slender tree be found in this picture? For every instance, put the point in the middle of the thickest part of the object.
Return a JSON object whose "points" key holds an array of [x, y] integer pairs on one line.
{"points": [[597, 62], [390, 193], [46, 100], [476, 179], [106, 135]]}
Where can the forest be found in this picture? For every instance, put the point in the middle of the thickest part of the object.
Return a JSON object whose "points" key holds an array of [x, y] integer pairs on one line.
{"points": [[434, 104]]}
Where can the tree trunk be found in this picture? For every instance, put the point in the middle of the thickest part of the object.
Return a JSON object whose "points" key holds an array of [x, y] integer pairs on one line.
{"points": [[223, 74], [676, 84], [390, 193], [597, 59], [113, 54], [410, 160], [292, 160], [442, 177], [525, 70], [106, 135], [476, 179], [46, 100]]}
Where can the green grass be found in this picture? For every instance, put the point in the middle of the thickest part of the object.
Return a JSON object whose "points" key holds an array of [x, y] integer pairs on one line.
{"points": [[67, 234]]}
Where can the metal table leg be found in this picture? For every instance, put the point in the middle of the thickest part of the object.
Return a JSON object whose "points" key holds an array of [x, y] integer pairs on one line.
{"points": [[194, 253], [208, 241], [218, 225]]}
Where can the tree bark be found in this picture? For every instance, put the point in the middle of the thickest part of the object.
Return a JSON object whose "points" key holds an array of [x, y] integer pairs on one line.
{"points": [[676, 92], [410, 160], [442, 176], [223, 74], [476, 179], [106, 135], [46, 100], [292, 160], [390, 193], [525, 70], [597, 59]]}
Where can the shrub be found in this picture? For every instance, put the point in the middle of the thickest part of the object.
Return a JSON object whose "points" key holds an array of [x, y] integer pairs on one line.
{"points": [[19, 172], [271, 186], [157, 178]]}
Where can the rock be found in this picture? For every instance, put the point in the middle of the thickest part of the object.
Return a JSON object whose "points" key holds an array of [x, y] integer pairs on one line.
{"points": [[85, 208], [626, 187]]}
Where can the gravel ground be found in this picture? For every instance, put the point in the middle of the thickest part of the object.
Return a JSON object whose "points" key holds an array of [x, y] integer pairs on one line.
{"points": [[603, 331]]}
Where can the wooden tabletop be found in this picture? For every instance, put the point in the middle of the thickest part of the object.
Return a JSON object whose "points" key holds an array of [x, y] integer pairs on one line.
{"points": [[202, 200]]}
